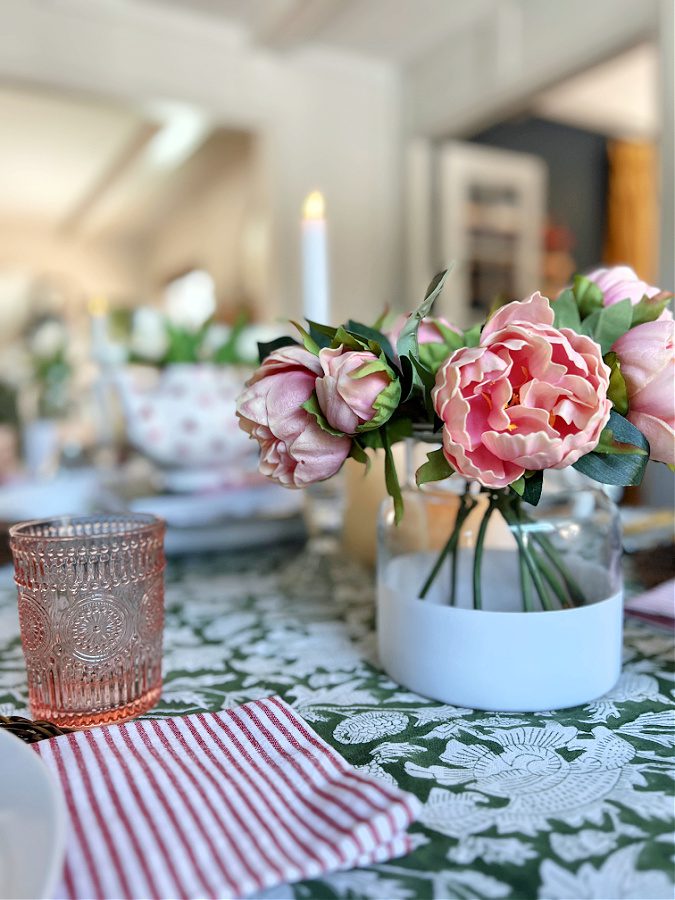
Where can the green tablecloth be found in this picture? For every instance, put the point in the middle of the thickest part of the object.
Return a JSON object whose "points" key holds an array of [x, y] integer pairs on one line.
{"points": [[575, 804]]}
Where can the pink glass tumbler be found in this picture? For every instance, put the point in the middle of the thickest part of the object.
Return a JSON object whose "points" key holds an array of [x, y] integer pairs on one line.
{"points": [[91, 610]]}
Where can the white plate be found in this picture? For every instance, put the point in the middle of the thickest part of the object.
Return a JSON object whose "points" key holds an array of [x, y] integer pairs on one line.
{"points": [[226, 506], [32, 823], [69, 492]]}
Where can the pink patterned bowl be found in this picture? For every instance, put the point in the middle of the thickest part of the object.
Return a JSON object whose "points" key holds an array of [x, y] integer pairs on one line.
{"points": [[183, 416]]}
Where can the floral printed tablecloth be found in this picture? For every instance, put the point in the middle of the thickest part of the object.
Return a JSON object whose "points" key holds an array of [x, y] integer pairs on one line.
{"points": [[574, 804]]}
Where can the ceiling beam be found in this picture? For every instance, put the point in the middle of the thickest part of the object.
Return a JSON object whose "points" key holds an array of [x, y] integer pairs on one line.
{"points": [[109, 177]]}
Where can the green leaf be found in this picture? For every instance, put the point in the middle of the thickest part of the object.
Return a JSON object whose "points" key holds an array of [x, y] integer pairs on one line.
{"points": [[608, 324], [184, 345], [436, 468], [649, 309], [265, 349], [372, 334], [621, 436], [407, 344], [518, 487], [359, 454], [427, 380], [321, 334], [397, 429], [588, 295], [617, 391], [381, 319], [612, 468], [432, 356], [313, 408], [566, 311], [626, 432], [227, 353], [615, 466], [609, 444], [472, 336], [344, 338], [385, 404], [391, 477], [307, 339], [451, 338], [532, 488]]}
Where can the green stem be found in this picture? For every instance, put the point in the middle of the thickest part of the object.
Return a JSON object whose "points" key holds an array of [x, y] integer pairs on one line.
{"points": [[576, 593], [478, 554], [552, 579], [466, 505], [512, 518], [453, 574], [525, 585]]}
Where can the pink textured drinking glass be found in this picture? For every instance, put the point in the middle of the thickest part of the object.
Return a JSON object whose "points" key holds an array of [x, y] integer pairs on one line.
{"points": [[91, 610]]}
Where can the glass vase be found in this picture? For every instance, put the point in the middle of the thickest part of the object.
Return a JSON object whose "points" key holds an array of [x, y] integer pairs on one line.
{"points": [[511, 606]]}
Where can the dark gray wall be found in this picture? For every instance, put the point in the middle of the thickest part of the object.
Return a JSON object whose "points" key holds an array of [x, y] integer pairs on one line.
{"points": [[577, 183]]}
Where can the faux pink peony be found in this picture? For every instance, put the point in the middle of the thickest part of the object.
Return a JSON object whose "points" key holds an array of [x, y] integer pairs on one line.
{"points": [[622, 283], [647, 357], [356, 390], [529, 396], [294, 450]]}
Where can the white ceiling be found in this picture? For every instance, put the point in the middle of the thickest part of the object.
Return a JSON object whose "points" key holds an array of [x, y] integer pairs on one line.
{"points": [[97, 169], [394, 31], [69, 160], [246, 13], [53, 148]]}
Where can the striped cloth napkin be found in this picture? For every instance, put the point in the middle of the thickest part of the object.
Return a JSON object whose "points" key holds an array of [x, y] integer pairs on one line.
{"points": [[217, 805]]}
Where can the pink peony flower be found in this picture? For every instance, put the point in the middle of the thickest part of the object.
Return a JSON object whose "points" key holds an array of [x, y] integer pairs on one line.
{"points": [[647, 358], [357, 391], [427, 333], [621, 283], [529, 396], [294, 450]]}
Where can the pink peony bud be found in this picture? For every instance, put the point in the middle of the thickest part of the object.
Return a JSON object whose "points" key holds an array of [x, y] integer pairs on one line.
{"points": [[357, 391], [621, 283], [294, 449], [647, 358]]}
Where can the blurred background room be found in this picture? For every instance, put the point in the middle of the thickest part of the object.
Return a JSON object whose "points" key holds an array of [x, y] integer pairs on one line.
{"points": [[159, 168]]}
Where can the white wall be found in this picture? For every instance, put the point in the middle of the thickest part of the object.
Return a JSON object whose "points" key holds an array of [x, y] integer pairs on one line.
{"points": [[326, 121]]}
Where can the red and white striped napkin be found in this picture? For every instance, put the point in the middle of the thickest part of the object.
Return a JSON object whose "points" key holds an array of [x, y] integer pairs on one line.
{"points": [[217, 805]]}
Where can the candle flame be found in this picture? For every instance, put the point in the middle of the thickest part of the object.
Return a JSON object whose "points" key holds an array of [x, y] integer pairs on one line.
{"points": [[98, 306], [314, 206]]}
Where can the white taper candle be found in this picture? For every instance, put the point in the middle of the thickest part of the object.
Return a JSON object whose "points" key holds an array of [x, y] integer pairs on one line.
{"points": [[316, 296]]}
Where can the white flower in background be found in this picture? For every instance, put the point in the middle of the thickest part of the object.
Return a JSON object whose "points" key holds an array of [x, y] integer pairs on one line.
{"points": [[216, 335], [247, 345], [48, 339], [190, 301], [149, 339]]}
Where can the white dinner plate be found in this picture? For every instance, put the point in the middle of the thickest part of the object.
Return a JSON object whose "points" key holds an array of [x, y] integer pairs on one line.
{"points": [[32, 823]]}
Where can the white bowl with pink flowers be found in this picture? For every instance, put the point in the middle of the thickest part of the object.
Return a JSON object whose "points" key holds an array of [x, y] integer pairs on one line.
{"points": [[183, 418]]}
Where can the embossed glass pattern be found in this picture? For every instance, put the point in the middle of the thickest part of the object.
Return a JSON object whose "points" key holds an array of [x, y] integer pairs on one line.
{"points": [[91, 610]]}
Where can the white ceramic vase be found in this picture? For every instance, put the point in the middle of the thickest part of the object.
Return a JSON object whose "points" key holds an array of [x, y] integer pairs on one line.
{"points": [[499, 656], [501, 660]]}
